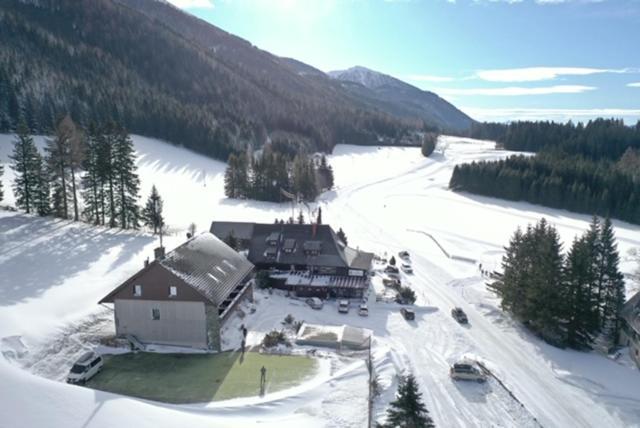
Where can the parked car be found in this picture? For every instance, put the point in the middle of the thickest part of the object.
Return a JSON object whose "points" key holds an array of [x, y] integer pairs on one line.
{"points": [[343, 306], [315, 302], [459, 315], [406, 268], [395, 276], [363, 310], [403, 255], [86, 367], [391, 269], [391, 282], [408, 314], [467, 370]]}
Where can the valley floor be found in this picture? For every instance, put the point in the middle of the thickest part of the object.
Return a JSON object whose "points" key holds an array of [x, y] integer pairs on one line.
{"points": [[53, 272]]}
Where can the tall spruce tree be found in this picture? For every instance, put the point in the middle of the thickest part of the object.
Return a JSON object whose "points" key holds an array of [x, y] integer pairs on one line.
{"points": [[92, 180], [613, 287], [58, 159], [1, 188], [580, 306], [152, 211], [532, 286], [126, 180], [41, 197], [408, 410], [24, 162]]}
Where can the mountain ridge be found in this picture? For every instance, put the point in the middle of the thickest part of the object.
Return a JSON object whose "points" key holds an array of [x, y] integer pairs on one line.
{"points": [[401, 98]]}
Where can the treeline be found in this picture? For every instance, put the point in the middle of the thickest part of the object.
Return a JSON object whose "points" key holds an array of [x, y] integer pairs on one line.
{"points": [[566, 182], [597, 139], [90, 176], [276, 176], [592, 168], [573, 300]]}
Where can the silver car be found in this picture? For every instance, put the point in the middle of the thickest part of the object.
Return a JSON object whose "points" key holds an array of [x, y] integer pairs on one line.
{"points": [[467, 370], [86, 367]]}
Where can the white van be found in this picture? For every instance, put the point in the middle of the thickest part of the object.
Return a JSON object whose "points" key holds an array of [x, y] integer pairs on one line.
{"points": [[86, 367]]}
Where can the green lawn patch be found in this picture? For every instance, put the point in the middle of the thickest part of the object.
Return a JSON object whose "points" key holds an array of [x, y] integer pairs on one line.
{"points": [[197, 378]]}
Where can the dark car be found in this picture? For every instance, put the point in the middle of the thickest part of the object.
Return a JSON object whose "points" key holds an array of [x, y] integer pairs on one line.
{"points": [[459, 315], [391, 269], [408, 314]]}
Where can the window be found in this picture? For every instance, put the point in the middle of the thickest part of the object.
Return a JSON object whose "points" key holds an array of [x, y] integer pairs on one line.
{"points": [[173, 291], [137, 290], [155, 314]]}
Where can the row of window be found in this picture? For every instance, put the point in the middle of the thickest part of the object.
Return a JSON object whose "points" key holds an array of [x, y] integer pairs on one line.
{"points": [[137, 291]]}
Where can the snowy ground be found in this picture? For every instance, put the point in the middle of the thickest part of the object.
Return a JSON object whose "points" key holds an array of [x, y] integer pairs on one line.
{"points": [[52, 273]]}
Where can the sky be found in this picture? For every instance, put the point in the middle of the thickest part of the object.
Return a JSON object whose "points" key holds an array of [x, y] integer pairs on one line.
{"points": [[494, 59]]}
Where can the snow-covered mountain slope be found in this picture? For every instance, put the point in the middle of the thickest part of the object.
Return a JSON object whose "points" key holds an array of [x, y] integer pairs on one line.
{"points": [[399, 98], [53, 272], [364, 76]]}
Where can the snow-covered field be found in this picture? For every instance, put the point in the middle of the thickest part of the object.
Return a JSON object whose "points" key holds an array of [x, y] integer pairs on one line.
{"points": [[53, 272]]}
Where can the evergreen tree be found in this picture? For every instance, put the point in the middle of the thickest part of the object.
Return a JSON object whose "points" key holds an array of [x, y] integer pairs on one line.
{"points": [[613, 288], [300, 218], [319, 218], [152, 211], [429, 144], [342, 236], [126, 180], [532, 286], [325, 172], [1, 189], [408, 410], [580, 307], [92, 180], [26, 168], [41, 197], [392, 261], [58, 163], [236, 177]]}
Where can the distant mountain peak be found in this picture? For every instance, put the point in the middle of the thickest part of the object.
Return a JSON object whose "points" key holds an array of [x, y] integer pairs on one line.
{"points": [[400, 98], [364, 76]]}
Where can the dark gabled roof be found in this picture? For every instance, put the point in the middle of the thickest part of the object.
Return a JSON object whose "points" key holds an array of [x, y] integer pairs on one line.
{"points": [[631, 312], [303, 238], [208, 265], [222, 229], [204, 263]]}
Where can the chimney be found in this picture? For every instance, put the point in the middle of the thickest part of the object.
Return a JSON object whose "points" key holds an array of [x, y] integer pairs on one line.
{"points": [[146, 262], [159, 253]]}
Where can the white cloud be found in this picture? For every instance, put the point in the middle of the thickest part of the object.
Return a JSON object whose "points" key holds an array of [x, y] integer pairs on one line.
{"points": [[429, 78], [634, 85], [560, 115], [516, 90], [192, 4], [532, 74]]}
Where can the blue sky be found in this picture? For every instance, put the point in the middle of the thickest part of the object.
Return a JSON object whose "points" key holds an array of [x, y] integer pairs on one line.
{"points": [[495, 59]]}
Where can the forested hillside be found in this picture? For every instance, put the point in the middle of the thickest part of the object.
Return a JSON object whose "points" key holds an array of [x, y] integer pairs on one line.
{"points": [[592, 168], [166, 74]]}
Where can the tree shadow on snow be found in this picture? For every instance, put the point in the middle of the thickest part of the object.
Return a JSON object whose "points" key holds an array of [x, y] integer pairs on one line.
{"points": [[28, 268]]}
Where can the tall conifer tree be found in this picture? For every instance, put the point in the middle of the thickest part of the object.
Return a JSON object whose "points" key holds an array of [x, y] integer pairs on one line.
{"points": [[408, 410], [26, 168], [152, 211]]}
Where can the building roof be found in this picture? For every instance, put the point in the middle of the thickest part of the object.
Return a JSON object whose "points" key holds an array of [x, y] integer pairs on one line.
{"points": [[240, 230], [307, 244], [631, 312], [204, 263]]}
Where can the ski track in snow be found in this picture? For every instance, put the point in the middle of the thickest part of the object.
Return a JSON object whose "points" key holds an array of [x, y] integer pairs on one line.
{"points": [[53, 272]]}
